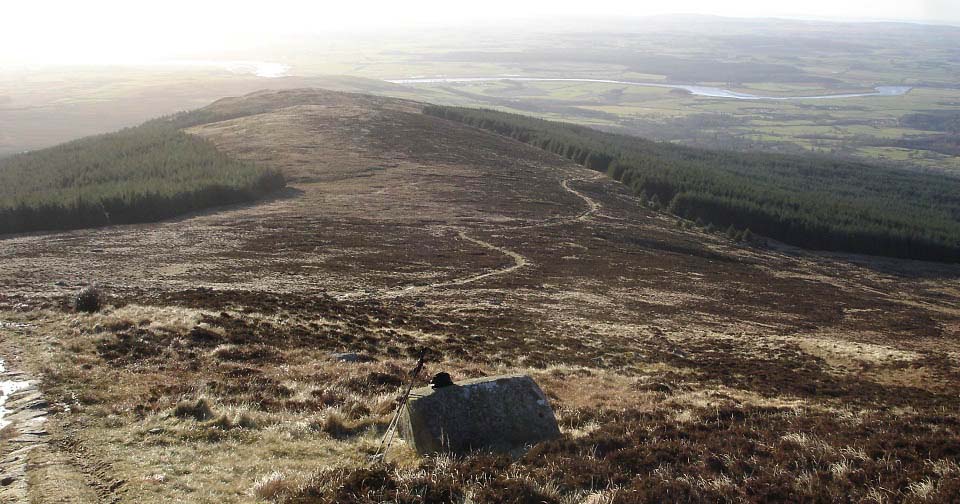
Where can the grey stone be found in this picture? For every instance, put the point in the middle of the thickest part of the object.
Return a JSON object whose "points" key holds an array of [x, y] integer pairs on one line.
{"points": [[25, 415], [25, 398], [350, 357], [497, 413]]}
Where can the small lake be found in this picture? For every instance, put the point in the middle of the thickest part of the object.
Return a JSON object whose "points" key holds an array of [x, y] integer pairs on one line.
{"points": [[707, 91]]}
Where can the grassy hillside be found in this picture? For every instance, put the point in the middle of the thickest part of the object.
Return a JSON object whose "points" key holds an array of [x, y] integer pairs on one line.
{"points": [[147, 173], [809, 201]]}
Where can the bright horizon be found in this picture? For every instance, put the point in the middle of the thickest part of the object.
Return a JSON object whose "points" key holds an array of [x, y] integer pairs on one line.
{"points": [[117, 31]]}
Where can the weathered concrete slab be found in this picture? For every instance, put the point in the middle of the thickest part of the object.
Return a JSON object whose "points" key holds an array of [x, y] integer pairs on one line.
{"points": [[498, 413]]}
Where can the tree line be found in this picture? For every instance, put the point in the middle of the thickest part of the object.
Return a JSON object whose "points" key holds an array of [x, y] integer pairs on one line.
{"points": [[141, 174], [810, 201]]}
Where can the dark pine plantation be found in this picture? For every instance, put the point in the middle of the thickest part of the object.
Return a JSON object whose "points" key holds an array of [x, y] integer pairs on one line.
{"points": [[141, 174], [809, 201]]}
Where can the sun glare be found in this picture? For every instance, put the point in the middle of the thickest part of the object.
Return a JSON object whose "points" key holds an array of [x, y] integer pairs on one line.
{"points": [[115, 31]]}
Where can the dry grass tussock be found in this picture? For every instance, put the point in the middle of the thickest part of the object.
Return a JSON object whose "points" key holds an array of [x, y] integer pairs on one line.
{"points": [[194, 388], [275, 486], [199, 410], [169, 318]]}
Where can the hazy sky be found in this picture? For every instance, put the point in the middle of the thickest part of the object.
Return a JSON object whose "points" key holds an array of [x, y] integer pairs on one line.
{"points": [[65, 31]]}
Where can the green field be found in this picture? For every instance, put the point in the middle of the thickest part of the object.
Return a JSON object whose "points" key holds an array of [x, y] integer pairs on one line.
{"points": [[770, 58], [857, 127]]}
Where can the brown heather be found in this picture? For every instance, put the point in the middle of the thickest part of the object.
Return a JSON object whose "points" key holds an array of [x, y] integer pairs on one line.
{"points": [[683, 366]]}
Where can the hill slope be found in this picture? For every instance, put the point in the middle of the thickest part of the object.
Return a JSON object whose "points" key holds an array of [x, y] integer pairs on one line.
{"points": [[679, 362], [810, 201]]}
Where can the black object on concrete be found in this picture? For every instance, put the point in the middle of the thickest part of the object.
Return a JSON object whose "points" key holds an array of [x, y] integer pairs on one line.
{"points": [[441, 380]]}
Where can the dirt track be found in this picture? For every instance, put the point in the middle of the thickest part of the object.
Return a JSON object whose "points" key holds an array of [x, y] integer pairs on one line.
{"points": [[519, 261]]}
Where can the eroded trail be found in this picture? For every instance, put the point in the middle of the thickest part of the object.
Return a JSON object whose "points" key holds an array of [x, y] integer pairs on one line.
{"points": [[593, 207], [518, 260]]}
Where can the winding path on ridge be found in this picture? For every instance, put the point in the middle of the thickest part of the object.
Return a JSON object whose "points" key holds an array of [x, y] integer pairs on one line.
{"points": [[592, 205], [519, 261]]}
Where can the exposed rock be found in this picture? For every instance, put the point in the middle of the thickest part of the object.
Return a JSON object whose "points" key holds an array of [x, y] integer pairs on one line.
{"points": [[350, 357], [26, 412], [497, 413]]}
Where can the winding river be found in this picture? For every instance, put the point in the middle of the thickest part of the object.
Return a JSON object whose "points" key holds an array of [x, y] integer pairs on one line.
{"points": [[708, 91]]}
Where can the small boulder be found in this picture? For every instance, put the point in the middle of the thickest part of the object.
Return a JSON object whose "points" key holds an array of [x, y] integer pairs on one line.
{"points": [[496, 413], [350, 357]]}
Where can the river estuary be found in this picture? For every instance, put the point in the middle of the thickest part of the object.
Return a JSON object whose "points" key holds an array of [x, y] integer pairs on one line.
{"points": [[707, 91]]}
